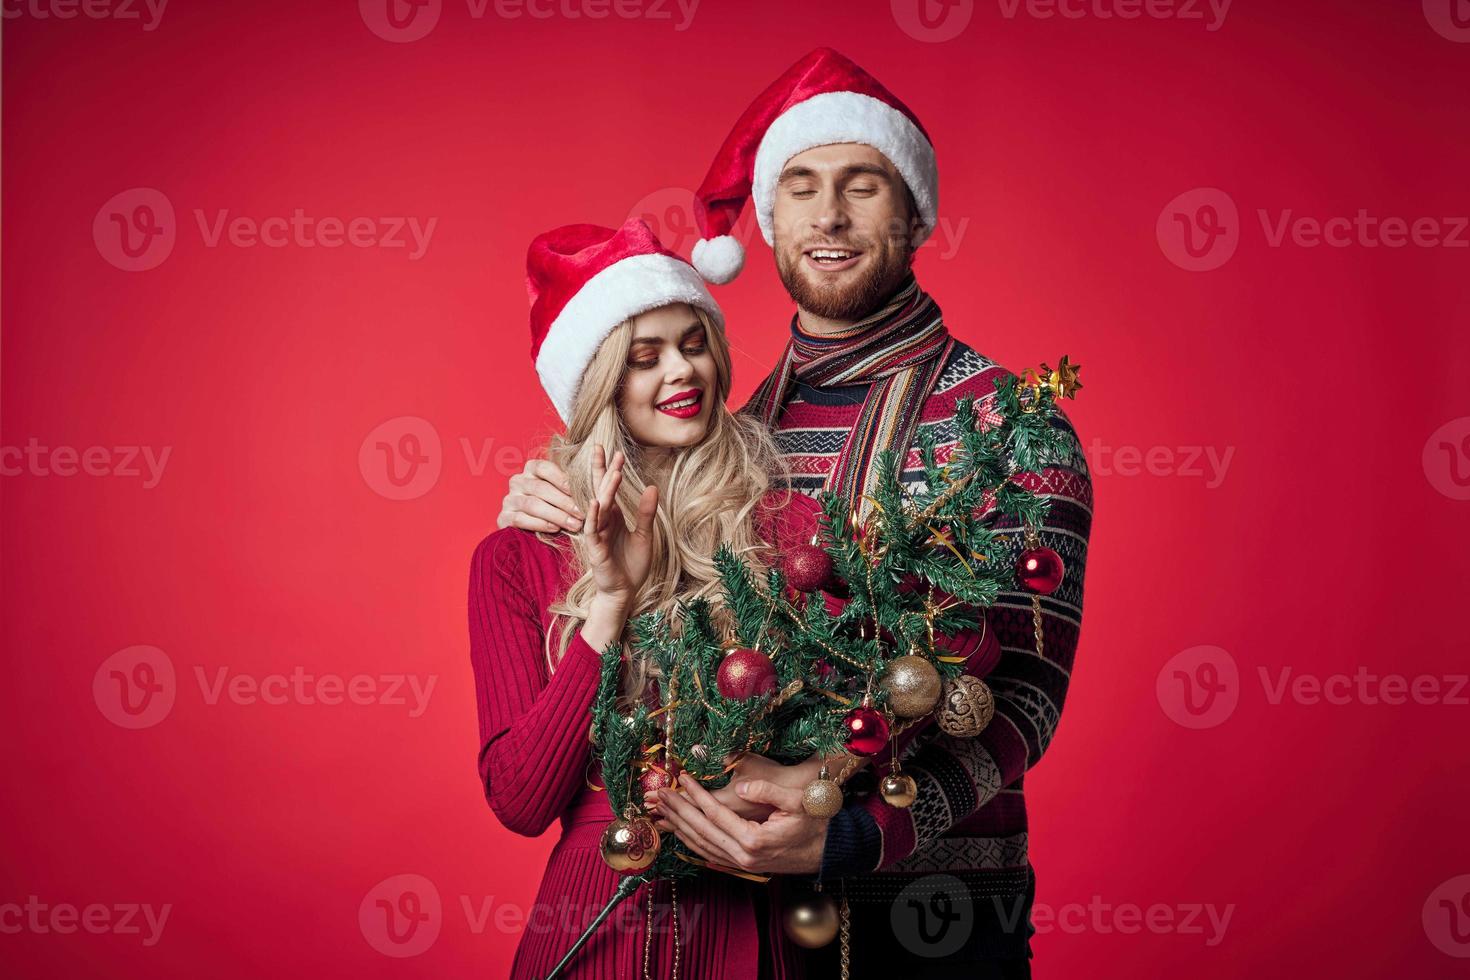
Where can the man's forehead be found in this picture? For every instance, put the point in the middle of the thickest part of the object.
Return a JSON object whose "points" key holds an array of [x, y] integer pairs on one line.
{"points": [[835, 157]]}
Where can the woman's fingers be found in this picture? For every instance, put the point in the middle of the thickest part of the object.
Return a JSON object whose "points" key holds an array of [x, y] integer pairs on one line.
{"points": [[597, 550], [610, 488], [599, 465], [674, 815], [647, 507], [602, 467], [606, 480], [607, 490]]}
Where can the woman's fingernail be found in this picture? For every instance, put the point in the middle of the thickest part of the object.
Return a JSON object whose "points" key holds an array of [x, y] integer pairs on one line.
{"points": [[742, 788]]}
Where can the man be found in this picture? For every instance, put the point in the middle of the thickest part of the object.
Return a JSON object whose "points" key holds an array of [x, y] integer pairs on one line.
{"points": [[845, 188]]}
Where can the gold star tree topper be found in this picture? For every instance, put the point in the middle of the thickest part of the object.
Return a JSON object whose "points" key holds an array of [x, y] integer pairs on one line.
{"points": [[1063, 381]]}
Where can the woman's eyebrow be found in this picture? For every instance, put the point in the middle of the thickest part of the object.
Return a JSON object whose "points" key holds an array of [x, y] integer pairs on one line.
{"points": [[693, 328]]}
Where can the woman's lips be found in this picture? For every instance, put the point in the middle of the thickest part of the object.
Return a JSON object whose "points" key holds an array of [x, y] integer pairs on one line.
{"points": [[684, 405]]}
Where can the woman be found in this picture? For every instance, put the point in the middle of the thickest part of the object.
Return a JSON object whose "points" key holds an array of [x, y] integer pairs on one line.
{"points": [[630, 347]]}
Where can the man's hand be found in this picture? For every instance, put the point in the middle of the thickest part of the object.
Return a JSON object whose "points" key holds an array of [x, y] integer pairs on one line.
{"points": [[757, 768], [539, 499], [788, 842]]}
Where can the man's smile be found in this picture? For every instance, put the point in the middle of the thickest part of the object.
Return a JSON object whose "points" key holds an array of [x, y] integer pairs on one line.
{"points": [[827, 258]]}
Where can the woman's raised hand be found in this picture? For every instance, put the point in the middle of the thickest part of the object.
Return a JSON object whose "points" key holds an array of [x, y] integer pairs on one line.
{"points": [[619, 558]]}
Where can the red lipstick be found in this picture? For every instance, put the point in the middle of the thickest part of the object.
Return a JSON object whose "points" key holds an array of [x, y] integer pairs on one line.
{"points": [[684, 405]]}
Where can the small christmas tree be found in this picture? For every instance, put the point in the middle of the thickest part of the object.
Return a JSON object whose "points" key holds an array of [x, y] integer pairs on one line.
{"points": [[847, 643]]}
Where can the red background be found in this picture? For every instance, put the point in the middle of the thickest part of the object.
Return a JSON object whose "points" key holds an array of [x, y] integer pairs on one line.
{"points": [[1326, 547]]}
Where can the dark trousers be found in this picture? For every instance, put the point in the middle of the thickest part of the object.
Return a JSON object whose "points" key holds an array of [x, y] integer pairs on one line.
{"points": [[945, 934]]}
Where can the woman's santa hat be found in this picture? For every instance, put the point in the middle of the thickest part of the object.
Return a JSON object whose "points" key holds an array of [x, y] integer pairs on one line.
{"points": [[584, 280], [822, 99]]}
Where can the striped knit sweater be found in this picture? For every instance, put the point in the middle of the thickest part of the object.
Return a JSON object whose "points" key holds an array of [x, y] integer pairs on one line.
{"points": [[970, 817]]}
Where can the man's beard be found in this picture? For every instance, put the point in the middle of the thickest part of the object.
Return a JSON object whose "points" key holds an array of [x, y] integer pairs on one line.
{"points": [[848, 301]]}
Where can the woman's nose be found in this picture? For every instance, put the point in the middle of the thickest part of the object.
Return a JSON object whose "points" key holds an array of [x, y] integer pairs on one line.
{"points": [[679, 369]]}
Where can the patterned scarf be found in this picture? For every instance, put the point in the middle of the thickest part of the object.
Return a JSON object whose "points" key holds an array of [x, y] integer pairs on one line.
{"points": [[898, 352]]}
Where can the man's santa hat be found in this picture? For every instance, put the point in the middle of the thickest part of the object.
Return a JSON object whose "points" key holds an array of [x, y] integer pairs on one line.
{"points": [[822, 99], [584, 280]]}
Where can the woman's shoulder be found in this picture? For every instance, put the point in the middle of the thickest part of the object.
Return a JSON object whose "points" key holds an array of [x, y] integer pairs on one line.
{"points": [[510, 551]]}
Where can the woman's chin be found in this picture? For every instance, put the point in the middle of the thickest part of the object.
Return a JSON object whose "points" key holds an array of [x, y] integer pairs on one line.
{"points": [[671, 433]]}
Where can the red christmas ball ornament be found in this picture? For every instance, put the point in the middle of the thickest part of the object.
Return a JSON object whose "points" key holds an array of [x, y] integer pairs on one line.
{"points": [[1040, 570], [654, 779], [867, 731], [807, 567], [745, 674]]}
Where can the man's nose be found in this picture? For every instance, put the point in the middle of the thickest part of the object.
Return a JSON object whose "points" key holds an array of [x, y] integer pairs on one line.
{"points": [[831, 215]]}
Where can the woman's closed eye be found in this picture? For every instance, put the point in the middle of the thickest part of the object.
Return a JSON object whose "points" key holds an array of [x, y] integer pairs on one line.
{"points": [[693, 346]]}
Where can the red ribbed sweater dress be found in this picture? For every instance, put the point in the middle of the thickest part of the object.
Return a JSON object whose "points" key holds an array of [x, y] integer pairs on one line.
{"points": [[534, 765]]}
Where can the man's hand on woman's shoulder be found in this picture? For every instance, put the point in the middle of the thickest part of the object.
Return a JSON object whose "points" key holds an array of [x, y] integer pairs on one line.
{"points": [[539, 499]]}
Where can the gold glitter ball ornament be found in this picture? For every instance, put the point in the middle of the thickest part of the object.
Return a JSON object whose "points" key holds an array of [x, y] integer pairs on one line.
{"points": [[822, 797], [913, 685]]}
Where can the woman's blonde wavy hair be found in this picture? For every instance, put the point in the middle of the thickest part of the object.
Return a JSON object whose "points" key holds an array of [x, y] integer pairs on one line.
{"points": [[707, 496]]}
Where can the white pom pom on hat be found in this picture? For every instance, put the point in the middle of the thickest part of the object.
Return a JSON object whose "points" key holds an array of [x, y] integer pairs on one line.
{"points": [[718, 259]]}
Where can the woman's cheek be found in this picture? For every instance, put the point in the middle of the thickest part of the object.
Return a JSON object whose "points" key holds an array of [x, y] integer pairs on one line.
{"points": [[707, 372], [634, 392]]}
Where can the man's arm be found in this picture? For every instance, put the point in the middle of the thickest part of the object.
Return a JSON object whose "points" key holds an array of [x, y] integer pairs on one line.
{"points": [[539, 499], [958, 776]]}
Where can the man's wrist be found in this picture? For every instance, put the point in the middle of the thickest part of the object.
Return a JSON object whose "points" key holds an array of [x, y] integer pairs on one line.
{"points": [[854, 843]]}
